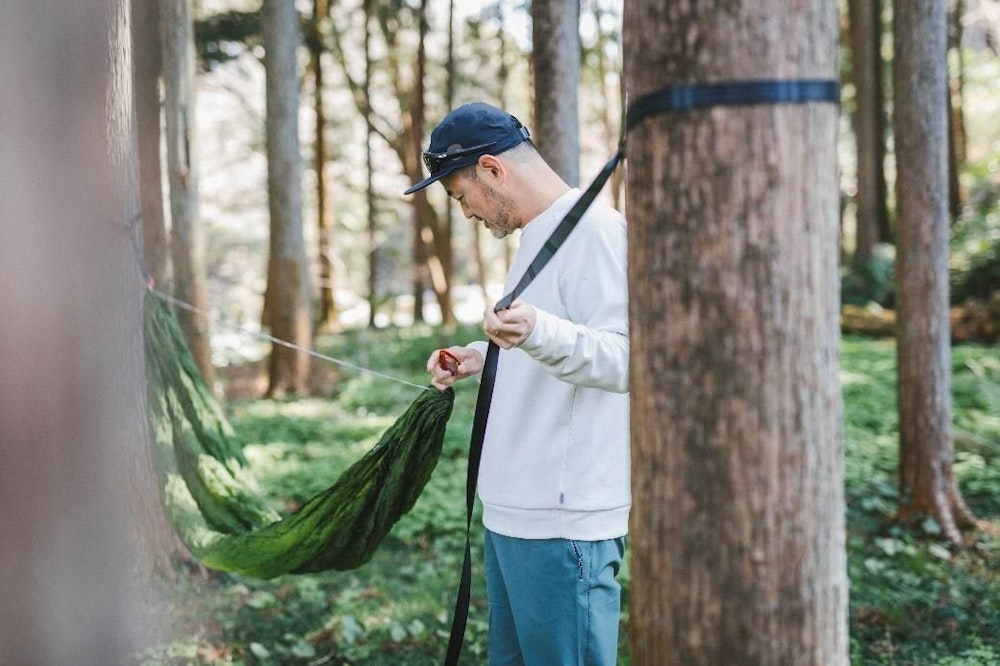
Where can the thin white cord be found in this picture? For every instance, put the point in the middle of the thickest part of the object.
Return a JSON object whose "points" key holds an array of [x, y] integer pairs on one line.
{"points": [[284, 343]]}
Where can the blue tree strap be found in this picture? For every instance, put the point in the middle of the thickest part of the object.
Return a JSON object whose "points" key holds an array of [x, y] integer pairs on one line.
{"points": [[677, 98]]}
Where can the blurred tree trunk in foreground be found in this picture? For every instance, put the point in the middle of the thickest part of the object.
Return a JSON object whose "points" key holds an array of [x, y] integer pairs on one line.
{"points": [[555, 60], [927, 486], [287, 307], [71, 392], [738, 537], [187, 243]]}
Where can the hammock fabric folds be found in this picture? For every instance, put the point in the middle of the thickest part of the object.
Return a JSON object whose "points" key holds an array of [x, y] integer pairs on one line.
{"points": [[210, 496]]}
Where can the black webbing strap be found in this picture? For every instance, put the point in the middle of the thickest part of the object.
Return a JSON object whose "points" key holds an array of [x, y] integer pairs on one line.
{"points": [[674, 98], [731, 93]]}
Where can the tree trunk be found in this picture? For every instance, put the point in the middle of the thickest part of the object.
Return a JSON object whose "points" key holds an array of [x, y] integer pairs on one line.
{"points": [[612, 99], [186, 242], [869, 125], [927, 485], [956, 117], [147, 67], [156, 541], [737, 539], [449, 97], [503, 70], [288, 308], [373, 254], [416, 134], [555, 59], [71, 391], [327, 305]]}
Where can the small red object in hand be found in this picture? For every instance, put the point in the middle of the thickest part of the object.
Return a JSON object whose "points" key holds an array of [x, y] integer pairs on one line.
{"points": [[448, 361]]}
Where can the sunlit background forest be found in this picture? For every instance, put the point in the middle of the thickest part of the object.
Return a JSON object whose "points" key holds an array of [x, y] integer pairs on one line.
{"points": [[310, 292], [490, 61]]}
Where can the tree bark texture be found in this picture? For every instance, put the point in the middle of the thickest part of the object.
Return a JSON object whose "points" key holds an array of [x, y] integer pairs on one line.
{"points": [[71, 392], [737, 533], [156, 540], [288, 306], [418, 248], [555, 60], [147, 67], [927, 485], [370, 194], [187, 245], [327, 318], [869, 124], [956, 114]]}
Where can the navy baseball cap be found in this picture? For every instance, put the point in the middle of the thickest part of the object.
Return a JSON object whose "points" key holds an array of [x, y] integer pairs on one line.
{"points": [[466, 134]]}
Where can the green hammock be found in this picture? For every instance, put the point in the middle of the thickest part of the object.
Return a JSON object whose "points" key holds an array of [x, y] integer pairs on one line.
{"points": [[210, 496]]}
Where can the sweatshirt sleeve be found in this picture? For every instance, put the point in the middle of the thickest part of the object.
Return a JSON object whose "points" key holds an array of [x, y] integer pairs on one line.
{"points": [[481, 347], [590, 345]]}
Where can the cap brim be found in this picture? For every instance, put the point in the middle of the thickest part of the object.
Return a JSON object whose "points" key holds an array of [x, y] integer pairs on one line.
{"points": [[425, 182], [461, 163]]}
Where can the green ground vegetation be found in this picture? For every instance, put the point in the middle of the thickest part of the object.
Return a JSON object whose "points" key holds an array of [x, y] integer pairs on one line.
{"points": [[914, 598]]}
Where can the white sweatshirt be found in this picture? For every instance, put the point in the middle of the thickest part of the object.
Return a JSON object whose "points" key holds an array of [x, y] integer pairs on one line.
{"points": [[556, 452]]}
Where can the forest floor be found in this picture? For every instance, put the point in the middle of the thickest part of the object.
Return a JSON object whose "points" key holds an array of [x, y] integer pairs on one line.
{"points": [[915, 599]]}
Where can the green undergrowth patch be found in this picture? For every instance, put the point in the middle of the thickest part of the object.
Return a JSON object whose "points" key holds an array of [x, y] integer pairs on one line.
{"points": [[914, 598]]}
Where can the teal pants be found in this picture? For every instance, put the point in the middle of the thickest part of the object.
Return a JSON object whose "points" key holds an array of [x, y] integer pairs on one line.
{"points": [[553, 602]]}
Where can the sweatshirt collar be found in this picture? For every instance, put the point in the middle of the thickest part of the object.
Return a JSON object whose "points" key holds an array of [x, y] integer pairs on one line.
{"points": [[545, 222]]}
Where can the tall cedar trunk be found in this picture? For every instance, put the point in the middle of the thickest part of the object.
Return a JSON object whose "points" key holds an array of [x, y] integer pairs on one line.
{"points": [[71, 391], [437, 240], [478, 231], [956, 117], [927, 485], [327, 305], [555, 60], [431, 239], [146, 86], [737, 534], [157, 542], [418, 245], [869, 124], [287, 297], [448, 260], [503, 69], [610, 130], [370, 198], [187, 245]]}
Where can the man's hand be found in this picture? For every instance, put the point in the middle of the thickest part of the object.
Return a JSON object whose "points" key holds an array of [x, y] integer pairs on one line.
{"points": [[511, 327], [449, 365]]}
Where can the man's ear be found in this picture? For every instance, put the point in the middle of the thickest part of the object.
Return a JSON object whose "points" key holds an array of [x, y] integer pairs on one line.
{"points": [[493, 167]]}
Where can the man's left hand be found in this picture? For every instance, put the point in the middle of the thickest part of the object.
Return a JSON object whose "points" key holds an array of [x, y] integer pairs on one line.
{"points": [[511, 327]]}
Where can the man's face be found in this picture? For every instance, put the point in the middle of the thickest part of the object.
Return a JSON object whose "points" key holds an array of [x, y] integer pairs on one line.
{"points": [[481, 202]]}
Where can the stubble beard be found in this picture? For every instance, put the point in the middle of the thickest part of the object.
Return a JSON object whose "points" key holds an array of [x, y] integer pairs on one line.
{"points": [[501, 225]]}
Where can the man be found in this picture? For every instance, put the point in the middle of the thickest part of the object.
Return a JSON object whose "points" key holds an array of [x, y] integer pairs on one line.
{"points": [[554, 476]]}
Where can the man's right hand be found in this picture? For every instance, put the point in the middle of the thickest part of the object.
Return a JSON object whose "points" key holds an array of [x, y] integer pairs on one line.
{"points": [[454, 364]]}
